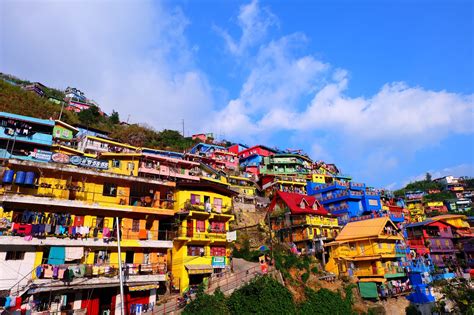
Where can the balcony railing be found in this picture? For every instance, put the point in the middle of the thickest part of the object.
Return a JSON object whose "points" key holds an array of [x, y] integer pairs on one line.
{"points": [[204, 234], [100, 270]]}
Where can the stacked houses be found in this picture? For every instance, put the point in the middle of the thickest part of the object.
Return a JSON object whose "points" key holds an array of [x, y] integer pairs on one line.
{"points": [[78, 209]]}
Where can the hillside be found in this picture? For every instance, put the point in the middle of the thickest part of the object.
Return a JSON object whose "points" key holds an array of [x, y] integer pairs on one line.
{"points": [[14, 99]]}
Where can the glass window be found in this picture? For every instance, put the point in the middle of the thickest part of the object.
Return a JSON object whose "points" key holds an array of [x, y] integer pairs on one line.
{"points": [[195, 199], [218, 204], [15, 255], [195, 250], [110, 190], [200, 226], [116, 163]]}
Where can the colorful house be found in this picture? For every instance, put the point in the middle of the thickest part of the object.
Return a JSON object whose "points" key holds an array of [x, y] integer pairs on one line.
{"points": [[167, 166], [25, 138], [61, 221], [286, 164], [63, 134], [251, 158], [348, 200], [201, 248], [433, 237], [216, 156], [302, 220], [371, 250], [245, 187], [96, 145]]}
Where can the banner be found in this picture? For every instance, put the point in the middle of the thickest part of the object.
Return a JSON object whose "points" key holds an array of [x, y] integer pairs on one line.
{"points": [[218, 262], [41, 155], [88, 162]]}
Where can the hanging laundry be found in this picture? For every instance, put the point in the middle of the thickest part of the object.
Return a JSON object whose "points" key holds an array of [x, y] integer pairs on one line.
{"points": [[56, 255], [55, 272], [47, 271], [39, 271], [74, 253]]}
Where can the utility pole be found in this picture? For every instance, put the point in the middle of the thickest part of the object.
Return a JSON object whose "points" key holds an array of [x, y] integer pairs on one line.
{"points": [[119, 230], [182, 121], [62, 108]]}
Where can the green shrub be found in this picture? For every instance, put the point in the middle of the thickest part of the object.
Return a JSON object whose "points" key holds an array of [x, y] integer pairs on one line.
{"points": [[325, 302], [305, 277], [263, 295], [207, 304]]}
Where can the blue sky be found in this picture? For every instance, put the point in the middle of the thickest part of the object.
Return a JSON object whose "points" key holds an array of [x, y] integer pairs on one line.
{"points": [[382, 88]]}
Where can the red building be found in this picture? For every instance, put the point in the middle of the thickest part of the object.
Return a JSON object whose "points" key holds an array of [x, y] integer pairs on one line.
{"points": [[432, 237], [256, 149]]}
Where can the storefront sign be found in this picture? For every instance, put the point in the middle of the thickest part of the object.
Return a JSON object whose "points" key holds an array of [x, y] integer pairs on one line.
{"points": [[218, 262], [88, 162], [41, 155], [60, 158]]}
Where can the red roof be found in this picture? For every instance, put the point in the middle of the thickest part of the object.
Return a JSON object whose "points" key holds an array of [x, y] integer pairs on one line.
{"points": [[293, 201]]}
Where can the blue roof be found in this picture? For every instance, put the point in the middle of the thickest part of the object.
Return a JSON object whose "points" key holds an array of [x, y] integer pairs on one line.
{"points": [[206, 147], [46, 122]]}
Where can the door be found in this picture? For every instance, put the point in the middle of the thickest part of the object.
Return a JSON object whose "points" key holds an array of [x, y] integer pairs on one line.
{"points": [[189, 228]]}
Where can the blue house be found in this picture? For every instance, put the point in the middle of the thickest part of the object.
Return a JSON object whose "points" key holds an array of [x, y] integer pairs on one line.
{"points": [[25, 138], [345, 199]]}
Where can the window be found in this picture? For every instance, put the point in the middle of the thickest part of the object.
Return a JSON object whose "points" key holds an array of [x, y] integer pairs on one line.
{"points": [[446, 242], [217, 251], [380, 245], [362, 249], [99, 222], [15, 255], [116, 163], [200, 226], [195, 199], [217, 227], [110, 190], [135, 225], [130, 166], [218, 204], [196, 251]]}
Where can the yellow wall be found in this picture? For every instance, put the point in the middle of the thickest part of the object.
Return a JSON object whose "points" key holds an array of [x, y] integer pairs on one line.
{"points": [[183, 196], [123, 168]]}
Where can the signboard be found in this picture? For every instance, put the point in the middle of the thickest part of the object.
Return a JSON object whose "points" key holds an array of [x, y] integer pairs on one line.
{"points": [[231, 236], [41, 155], [88, 162], [60, 158], [218, 261]]}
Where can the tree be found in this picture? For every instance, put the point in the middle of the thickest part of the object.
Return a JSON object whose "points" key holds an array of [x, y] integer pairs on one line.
{"points": [[206, 304], [114, 118], [90, 116], [428, 177], [460, 293]]}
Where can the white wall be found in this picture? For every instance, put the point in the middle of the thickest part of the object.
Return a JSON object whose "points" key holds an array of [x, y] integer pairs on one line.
{"points": [[11, 271]]}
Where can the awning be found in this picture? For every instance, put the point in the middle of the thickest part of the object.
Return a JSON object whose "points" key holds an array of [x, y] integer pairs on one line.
{"points": [[372, 280], [199, 269]]}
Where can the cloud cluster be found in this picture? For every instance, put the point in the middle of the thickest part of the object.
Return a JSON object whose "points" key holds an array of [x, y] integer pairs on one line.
{"points": [[131, 56], [292, 91]]}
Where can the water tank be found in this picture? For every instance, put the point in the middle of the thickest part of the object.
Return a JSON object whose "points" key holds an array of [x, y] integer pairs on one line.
{"points": [[8, 176], [20, 178], [30, 178]]}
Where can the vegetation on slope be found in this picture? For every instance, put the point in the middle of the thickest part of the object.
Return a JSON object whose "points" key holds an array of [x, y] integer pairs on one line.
{"points": [[14, 99]]}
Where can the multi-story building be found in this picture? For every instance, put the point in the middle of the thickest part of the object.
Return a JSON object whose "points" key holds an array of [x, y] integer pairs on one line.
{"points": [[95, 145], [348, 200], [245, 187], [60, 229], [161, 164], [285, 164], [251, 158], [216, 156], [433, 237], [433, 208], [302, 220], [25, 138], [372, 250], [63, 135], [201, 248], [414, 204]]}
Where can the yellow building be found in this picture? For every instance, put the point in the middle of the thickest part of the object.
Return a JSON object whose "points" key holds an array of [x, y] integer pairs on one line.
{"points": [[245, 187], [70, 215], [372, 250], [201, 247]]}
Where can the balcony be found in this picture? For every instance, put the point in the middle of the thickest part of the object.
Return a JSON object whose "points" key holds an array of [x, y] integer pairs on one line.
{"points": [[336, 185], [98, 275], [20, 234], [342, 195], [37, 138], [207, 207], [168, 171]]}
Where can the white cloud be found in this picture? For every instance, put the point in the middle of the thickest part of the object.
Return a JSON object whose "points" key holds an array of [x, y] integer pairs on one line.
{"points": [[254, 23], [131, 56]]}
